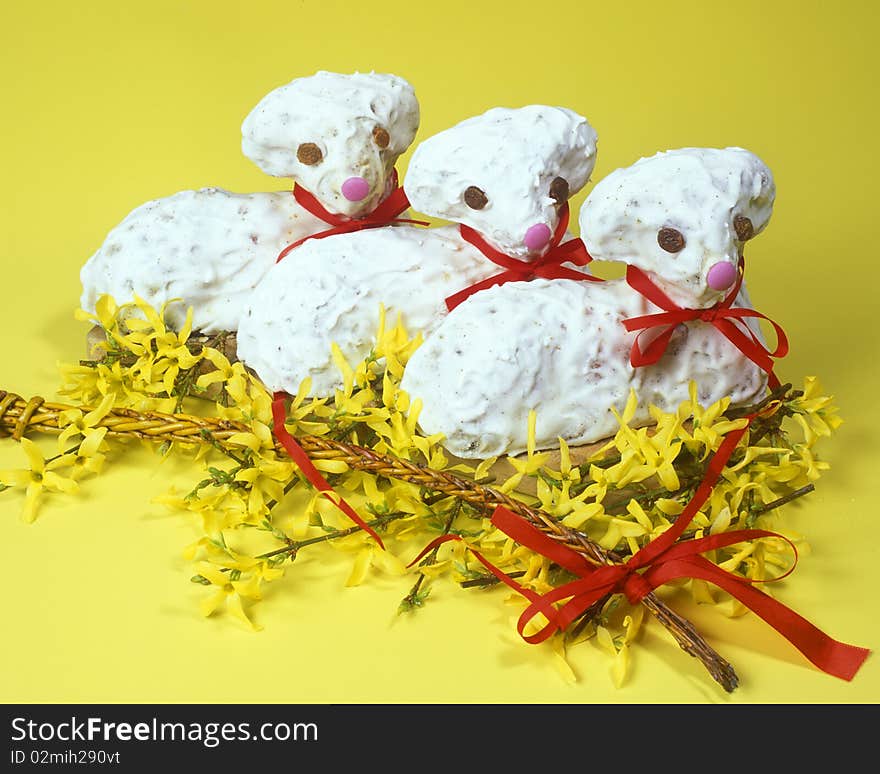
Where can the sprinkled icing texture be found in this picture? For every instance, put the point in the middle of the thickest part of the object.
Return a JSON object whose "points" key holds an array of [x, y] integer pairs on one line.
{"points": [[294, 316], [681, 215], [331, 130], [558, 347], [207, 247], [504, 172]]}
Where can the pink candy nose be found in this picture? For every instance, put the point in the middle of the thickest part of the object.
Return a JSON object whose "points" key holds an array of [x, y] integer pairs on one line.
{"points": [[537, 236], [721, 276], [355, 188]]}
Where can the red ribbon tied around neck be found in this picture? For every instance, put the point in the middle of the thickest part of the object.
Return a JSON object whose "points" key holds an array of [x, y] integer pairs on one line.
{"points": [[660, 561], [548, 266], [384, 215], [722, 315], [308, 469]]}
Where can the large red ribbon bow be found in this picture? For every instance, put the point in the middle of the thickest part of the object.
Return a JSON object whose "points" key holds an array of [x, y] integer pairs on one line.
{"points": [[384, 215], [660, 561], [722, 315], [548, 266], [308, 469]]}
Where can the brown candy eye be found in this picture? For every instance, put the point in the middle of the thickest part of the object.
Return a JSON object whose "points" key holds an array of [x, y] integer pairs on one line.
{"points": [[671, 240], [743, 227], [475, 198], [308, 153], [559, 190], [381, 137]]}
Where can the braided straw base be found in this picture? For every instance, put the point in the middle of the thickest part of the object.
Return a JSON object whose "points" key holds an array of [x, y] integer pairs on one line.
{"points": [[95, 351], [18, 415], [501, 470]]}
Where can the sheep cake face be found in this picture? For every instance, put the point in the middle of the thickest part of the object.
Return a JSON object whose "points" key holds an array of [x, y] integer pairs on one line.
{"points": [[337, 135], [504, 173], [683, 216]]}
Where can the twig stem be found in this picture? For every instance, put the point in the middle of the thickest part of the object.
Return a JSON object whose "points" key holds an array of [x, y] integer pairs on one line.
{"points": [[411, 600]]}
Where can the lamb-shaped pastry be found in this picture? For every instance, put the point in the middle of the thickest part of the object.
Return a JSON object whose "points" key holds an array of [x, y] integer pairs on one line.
{"points": [[506, 175], [679, 220], [337, 136]]}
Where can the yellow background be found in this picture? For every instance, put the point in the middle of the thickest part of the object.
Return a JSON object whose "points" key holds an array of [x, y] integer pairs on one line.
{"points": [[106, 105]]}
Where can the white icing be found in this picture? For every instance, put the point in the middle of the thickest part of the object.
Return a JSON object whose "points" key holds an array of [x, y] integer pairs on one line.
{"points": [[208, 247], [512, 155], [697, 191], [338, 113], [559, 347], [329, 291]]}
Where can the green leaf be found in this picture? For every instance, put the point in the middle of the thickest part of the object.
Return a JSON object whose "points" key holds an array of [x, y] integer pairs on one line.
{"points": [[462, 532], [221, 477], [220, 541], [268, 526], [382, 509], [412, 601]]}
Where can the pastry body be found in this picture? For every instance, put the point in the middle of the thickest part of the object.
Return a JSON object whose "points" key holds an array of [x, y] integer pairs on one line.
{"points": [[208, 248], [679, 220], [336, 135], [330, 291], [558, 347]]}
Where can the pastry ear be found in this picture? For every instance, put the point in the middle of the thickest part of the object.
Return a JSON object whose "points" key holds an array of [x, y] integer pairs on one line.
{"points": [[437, 188], [760, 204]]}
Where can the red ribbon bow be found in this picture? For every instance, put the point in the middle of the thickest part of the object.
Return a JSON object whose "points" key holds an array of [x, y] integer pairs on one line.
{"points": [[308, 469], [721, 315], [384, 215], [660, 561], [548, 266]]}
